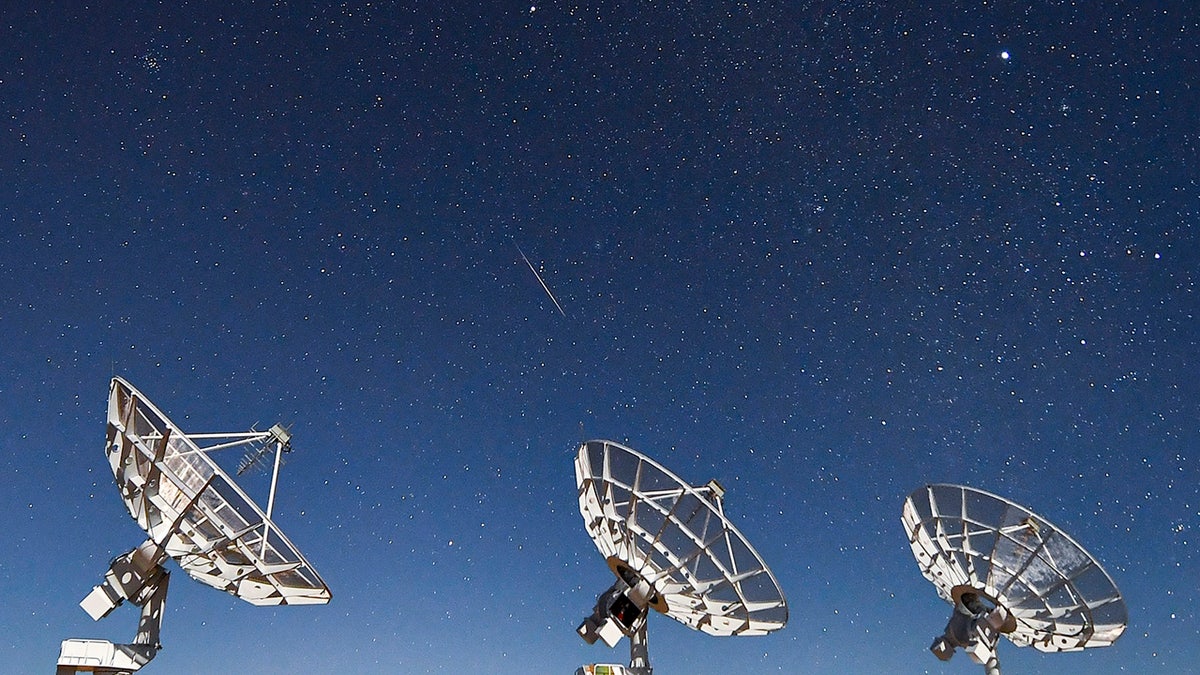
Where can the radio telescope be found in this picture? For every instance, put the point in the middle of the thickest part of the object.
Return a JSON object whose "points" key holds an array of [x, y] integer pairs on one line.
{"points": [[671, 549], [1008, 571], [193, 512]]}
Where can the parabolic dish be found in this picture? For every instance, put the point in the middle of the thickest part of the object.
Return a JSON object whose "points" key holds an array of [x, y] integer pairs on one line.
{"points": [[646, 519], [1061, 598], [183, 500]]}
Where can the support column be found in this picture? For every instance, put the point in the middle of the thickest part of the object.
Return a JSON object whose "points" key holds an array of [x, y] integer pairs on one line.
{"points": [[639, 654]]}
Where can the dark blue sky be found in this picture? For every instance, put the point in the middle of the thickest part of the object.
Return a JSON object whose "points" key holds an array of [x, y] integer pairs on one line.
{"points": [[823, 252]]}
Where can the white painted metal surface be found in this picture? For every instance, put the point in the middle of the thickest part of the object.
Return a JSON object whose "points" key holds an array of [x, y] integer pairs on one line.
{"points": [[974, 544], [193, 512], [672, 549], [184, 500]]}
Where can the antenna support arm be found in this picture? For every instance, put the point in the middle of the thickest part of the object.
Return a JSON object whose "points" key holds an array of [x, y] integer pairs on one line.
{"points": [[137, 576]]}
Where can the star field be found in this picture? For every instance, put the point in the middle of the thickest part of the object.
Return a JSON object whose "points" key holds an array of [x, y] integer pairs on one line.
{"points": [[825, 253]]}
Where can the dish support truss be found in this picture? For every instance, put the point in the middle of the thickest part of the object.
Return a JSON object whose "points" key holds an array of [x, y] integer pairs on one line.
{"points": [[194, 513], [672, 549], [1012, 573]]}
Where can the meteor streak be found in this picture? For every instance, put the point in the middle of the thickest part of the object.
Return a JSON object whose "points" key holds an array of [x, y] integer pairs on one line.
{"points": [[540, 281]]}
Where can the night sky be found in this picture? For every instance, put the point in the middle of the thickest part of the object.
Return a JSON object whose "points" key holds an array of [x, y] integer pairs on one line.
{"points": [[825, 252]]}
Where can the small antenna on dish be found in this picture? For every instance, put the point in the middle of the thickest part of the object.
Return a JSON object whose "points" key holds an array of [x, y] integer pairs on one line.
{"points": [[278, 441]]}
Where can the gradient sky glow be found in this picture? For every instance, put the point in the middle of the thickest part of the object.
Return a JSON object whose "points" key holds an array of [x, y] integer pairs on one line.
{"points": [[825, 252]]}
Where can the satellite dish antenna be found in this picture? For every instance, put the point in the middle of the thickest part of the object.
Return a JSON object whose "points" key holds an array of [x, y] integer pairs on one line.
{"points": [[1009, 572], [672, 550], [193, 512]]}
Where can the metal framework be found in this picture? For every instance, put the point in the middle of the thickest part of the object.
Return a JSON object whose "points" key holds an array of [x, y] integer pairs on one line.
{"points": [[1008, 571], [193, 512], [672, 549]]}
